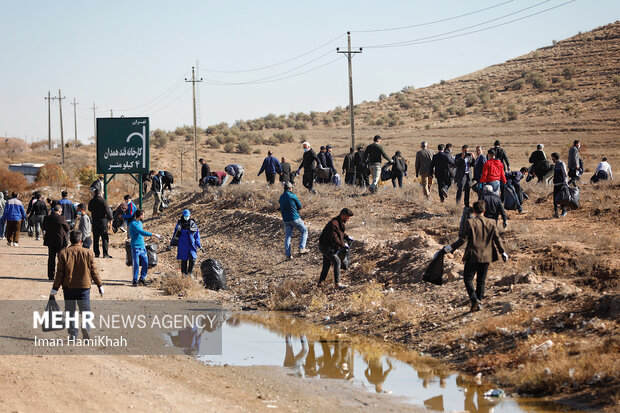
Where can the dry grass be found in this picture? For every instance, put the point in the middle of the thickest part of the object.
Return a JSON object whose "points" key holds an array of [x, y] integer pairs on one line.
{"points": [[368, 298], [177, 284]]}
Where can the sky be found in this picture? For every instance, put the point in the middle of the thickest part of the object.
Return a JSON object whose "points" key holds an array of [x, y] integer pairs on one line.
{"points": [[131, 58]]}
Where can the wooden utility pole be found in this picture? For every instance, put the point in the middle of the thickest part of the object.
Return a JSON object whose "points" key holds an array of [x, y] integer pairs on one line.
{"points": [[111, 113], [74, 103], [62, 135], [350, 53], [49, 119], [94, 108], [194, 81]]}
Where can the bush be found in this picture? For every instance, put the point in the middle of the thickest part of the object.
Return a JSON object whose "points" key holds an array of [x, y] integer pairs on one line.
{"points": [[380, 121], [12, 181], [212, 143], [568, 72], [568, 85], [284, 137], [461, 111], [229, 147], [53, 175], [427, 126], [616, 80], [540, 83], [512, 113], [485, 98], [516, 84], [244, 147], [256, 151], [159, 138], [471, 100], [406, 105], [382, 96], [39, 146], [300, 125], [86, 175]]}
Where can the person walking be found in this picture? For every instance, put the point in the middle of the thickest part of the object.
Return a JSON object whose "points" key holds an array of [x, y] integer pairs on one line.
{"points": [[423, 160], [271, 167], [38, 213], [101, 217], [348, 167], [493, 172], [68, 209], [373, 154], [289, 207], [187, 239], [482, 239], [440, 168], [560, 178], [602, 172], [500, 155], [286, 173], [156, 189], [2, 221], [13, 215], [332, 240], [84, 226], [399, 169], [55, 227], [361, 168], [139, 258], [574, 163], [451, 168], [236, 171], [463, 175], [493, 206], [76, 272], [309, 162]]}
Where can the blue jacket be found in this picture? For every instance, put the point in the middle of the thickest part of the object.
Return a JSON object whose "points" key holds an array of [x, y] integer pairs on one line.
{"points": [[131, 210], [14, 210], [329, 161], [289, 206], [137, 234], [270, 166], [68, 209], [189, 241], [480, 161]]}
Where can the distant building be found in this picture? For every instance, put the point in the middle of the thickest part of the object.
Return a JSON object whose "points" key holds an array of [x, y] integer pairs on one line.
{"points": [[29, 170]]}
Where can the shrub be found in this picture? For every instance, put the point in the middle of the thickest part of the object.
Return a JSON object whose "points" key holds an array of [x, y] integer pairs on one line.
{"points": [[442, 82], [328, 121], [568, 72], [485, 99], [229, 147], [444, 115], [427, 126], [540, 83], [53, 175], [382, 96], [568, 85], [159, 138], [300, 125], [38, 146], [516, 84], [461, 111], [244, 147], [471, 100], [284, 137], [615, 79], [408, 89], [256, 151], [12, 181], [512, 112], [86, 175], [212, 143], [406, 105]]}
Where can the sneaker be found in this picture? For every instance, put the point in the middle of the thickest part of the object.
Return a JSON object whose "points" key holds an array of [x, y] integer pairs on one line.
{"points": [[15, 244], [123, 229], [476, 306], [562, 215], [107, 256], [142, 282], [37, 239], [289, 258], [341, 286], [9, 243], [303, 251], [134, 284], [523, 211]]}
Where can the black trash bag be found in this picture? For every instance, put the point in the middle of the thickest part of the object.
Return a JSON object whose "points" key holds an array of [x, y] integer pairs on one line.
{"points": [[213, 274], [323, 173], [434, 272], [510, 203], [151, 254], [23, 226], [562, 198], [174, 242], [574, 198], [128, 258], [345, 258], [464, 217], [51, 308], [386, 172]]}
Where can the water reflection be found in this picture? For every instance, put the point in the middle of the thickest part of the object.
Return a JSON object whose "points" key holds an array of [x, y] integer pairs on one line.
{"points": [[310, 352]]}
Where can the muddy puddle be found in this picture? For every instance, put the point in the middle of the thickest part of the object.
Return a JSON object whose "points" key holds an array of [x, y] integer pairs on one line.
{"points": [[308, 352]]}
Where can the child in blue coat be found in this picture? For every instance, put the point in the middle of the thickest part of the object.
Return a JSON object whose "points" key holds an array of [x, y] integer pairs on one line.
{"points": [[186, 238]]}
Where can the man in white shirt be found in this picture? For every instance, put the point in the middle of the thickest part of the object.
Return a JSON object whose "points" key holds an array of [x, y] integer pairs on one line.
{"points": [[603, 172]]}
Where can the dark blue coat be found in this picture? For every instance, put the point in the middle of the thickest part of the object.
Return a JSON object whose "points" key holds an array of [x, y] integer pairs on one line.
{"points": [[189, 241]]}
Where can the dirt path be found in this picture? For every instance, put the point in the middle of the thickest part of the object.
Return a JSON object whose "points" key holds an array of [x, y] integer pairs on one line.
{"points": [[153, 383]]}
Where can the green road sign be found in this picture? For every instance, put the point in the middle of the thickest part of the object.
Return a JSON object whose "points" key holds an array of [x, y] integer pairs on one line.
{"points": [[122, 145]]}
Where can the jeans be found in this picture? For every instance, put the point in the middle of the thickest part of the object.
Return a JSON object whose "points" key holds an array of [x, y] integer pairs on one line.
{"points": [[37, 221], [329, 257], [288, 232], [187, 266], [139, 259], [87, 242], [51, 262], [81, 296], [463, 186], [375, 173], [397, 176], [496, 186], [471, 268], [2, 227], [271, 178]]}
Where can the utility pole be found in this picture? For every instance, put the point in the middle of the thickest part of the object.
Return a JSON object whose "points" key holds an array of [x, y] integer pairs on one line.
{"points": [[111, 113], [184, 151], [74, 103], [194, 81], [94, 108], [49, 119], [350, 53], [62, 136]]}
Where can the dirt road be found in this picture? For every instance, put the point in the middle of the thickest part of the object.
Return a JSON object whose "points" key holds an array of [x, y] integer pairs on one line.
{"points": [[153, 383]]}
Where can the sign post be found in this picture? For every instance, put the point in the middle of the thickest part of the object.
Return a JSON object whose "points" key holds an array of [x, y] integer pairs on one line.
{"points": [[123, 148]]}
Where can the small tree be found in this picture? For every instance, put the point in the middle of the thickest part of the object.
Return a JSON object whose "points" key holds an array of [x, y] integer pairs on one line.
{"points": [[86, 175]]}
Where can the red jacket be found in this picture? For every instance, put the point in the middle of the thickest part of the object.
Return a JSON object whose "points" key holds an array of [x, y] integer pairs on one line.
{"points": [[493, 170]]}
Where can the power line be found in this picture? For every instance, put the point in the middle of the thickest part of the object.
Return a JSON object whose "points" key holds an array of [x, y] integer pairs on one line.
{"points": [[432, 22], [437, 37], [275, 64], [165, 93]]}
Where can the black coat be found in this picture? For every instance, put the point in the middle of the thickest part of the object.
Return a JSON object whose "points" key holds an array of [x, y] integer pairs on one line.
{"points": [[99, 210], [494, 207], [39, 208], [441, 164], [500, 154], [348, 165], [205, 171], [56, 228], [322, 159], [459, 161], [400, 164], [286, 172], [309, 160]]}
